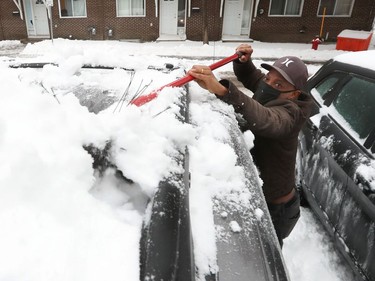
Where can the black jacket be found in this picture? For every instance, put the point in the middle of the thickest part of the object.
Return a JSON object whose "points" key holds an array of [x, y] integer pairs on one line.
{"points": [[275, 126]]}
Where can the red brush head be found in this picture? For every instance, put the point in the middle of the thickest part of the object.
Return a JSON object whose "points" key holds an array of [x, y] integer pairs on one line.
{"points": [[144, 99]]}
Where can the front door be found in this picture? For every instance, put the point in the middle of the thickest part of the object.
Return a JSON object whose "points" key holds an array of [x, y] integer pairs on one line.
{"points": [[36, 18], [237, 14], [168, 17]]}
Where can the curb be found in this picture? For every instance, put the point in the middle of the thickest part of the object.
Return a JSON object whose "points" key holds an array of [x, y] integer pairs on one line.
{"points": [[254, 58]]}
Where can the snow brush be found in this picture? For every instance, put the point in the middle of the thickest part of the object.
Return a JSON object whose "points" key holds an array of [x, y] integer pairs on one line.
{"points": [[139, 101]]}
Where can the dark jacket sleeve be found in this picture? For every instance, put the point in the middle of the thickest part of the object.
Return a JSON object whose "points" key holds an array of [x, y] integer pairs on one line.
{"points": [[247, 74], [276, 120]]}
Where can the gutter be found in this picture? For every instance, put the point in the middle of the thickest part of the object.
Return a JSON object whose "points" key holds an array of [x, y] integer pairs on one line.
{"points": [[18, 4]]}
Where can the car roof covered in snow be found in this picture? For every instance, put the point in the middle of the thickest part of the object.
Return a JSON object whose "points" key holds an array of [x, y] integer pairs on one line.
{"points": [[363, 59]]}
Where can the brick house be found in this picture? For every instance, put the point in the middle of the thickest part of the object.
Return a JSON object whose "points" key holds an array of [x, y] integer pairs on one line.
{"points": [[197, 20]]}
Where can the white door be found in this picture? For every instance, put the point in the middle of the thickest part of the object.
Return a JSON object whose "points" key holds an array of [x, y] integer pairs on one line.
{"points": [[29, 17], [232, 17], [40, 18], [168, 17]]}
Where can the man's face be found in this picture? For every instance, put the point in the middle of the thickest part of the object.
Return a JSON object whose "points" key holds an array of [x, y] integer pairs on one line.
{"points": [[278, 82]]}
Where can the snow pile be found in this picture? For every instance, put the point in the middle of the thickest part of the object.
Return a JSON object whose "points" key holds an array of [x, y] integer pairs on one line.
{"points": [[53, 226], [368, 173], [316, 266]]}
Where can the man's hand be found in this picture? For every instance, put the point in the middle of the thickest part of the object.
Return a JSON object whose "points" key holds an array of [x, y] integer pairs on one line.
{"points": [[207, 80], [246, 50]]}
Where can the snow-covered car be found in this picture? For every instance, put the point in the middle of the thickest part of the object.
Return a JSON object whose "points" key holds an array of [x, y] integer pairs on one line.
{"points": [[336, 160], [185, 199]]}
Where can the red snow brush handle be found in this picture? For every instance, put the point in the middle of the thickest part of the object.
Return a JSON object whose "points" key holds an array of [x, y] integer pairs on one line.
{"points": [[182, 81]]}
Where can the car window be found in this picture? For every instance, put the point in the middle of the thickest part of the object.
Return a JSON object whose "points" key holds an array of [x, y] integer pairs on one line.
{"points": [[356, 104], [327, 84]]}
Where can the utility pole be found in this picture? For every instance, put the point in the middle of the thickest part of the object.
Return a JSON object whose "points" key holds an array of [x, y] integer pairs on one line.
{"points": [[205, 22]]}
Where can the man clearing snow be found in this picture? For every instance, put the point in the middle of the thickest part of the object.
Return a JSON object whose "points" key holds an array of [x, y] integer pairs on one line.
{"points": [[275, 115]]}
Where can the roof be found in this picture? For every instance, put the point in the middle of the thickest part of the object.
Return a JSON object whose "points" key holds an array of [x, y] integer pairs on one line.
{"points": [[363, 59]]}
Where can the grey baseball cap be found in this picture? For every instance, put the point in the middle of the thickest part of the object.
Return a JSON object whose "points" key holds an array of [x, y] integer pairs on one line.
{"points": [[292, 69]]}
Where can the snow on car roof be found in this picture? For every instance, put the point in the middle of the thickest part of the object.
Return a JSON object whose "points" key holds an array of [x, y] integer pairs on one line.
{"points": [[363, 59]]}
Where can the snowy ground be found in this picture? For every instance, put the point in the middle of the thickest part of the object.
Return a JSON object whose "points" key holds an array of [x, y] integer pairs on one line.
{"points": [[52, 228]]}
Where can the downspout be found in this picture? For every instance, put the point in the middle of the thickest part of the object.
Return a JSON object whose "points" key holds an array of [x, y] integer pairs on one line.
{"points": [[221, 8], [256, 8], [156, 8], [49, 14], [372, 18], [18, 4]]}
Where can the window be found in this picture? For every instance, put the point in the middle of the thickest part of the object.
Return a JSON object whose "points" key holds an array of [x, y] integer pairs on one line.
{"points": [[72, 8], [286, 7], [181, 13], [325, 87], [356, 104], [129, 8], [246, 14], [335, 7]]}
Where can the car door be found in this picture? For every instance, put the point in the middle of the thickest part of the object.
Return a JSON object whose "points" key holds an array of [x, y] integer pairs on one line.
{"points": [[341, 156], [353, 106], [324, 179]]}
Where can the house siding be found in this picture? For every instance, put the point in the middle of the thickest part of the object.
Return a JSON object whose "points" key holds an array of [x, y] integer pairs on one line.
{"points": [[12, 27], [288, 29], [101, 14], [195, 23]]}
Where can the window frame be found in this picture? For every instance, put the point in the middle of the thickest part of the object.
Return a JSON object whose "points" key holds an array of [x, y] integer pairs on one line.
{"points": [[302, 2], [130, 16], [327, 101], [333, 15], [72, 17], [346, 81]]}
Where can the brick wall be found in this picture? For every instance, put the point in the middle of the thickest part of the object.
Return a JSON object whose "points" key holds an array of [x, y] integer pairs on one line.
{"points": [[143, 28], [289, 29], [1, 28], [78, 28], [101, 14], [12, 27], [194, 23]]}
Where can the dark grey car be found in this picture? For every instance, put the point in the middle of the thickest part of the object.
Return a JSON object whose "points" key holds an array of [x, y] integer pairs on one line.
{"points": [[336, 166], [166, 244]]}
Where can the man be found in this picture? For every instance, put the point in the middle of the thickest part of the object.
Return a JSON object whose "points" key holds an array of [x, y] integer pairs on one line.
{"points": [[275, 115]]}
